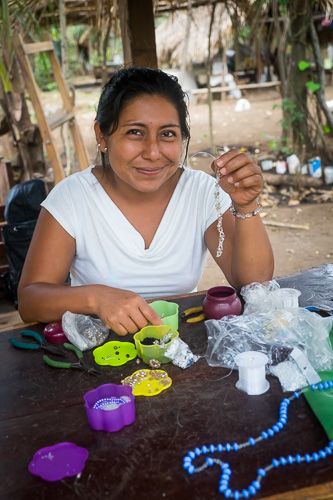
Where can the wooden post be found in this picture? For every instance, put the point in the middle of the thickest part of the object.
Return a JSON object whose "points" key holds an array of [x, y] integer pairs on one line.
{"points": [[183, 64], [138, 32], [33, 91]]}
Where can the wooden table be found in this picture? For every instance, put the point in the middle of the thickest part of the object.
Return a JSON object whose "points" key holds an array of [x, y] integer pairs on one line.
{"points": [[42, 406]]}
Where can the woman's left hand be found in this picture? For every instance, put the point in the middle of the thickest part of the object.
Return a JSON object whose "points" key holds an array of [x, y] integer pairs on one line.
{"points": [[240, 177]]}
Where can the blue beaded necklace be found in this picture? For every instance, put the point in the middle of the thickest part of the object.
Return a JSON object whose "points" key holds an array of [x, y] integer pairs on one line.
{"points": [[261, 472]]}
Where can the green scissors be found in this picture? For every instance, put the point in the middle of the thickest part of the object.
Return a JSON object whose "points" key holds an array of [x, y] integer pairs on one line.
{"points": [[79, 365], [40, 345]]}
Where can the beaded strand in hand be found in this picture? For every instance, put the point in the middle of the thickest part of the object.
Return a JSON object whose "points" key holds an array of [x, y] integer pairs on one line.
{"points": [[261, 472]]}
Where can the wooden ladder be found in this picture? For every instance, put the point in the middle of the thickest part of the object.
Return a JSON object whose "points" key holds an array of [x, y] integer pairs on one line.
{"points": [[23, 51]]}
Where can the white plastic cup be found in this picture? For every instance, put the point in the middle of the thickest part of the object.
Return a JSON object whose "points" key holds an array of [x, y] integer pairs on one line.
{"points": [[293, 164], [328, 174], [304, 169], [281, 167], [266, 164]]}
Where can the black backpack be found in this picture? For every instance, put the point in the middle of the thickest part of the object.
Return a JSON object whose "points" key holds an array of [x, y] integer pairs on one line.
{"points": [[21, 212]]}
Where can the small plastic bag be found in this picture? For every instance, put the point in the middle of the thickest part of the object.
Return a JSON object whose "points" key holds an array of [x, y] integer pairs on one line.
{"points": [[180, 354], [274, 333], [83, 331], [259, 297]]}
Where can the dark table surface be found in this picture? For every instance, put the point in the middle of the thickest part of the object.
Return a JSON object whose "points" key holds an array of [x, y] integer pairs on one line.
{"points": [[42, 406]]}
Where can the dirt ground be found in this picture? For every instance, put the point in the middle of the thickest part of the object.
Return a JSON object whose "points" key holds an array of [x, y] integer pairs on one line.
{"points": [[295, 249]]}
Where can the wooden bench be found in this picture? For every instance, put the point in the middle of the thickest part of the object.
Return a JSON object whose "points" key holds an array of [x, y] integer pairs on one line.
{"points": [[215, 90]]}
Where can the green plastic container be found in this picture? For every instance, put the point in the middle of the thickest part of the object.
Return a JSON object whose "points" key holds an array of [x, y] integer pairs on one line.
{"points": [[167, 311], [148, 352]]}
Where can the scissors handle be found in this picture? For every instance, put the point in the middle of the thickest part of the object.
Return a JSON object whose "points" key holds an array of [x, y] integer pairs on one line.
{"points": [[56, 364], [34, 335], [75, 349], [23, 345]]}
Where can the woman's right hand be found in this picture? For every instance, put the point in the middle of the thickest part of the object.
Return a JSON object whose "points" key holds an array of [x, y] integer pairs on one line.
{"points": [[123, 311]]}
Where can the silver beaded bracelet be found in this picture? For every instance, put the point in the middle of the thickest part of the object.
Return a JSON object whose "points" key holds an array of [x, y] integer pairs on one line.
{"points": [[246, 216]]}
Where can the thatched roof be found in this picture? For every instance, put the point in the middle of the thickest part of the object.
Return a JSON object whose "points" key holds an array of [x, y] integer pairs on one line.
{"points": [[170, 35], [90, 12]]}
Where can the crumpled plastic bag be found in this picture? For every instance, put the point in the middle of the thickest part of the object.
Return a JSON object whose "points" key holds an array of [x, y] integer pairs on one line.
{"points": [[267, 325], [274, 333], [263, 297], [180, 354], [83, 331]]}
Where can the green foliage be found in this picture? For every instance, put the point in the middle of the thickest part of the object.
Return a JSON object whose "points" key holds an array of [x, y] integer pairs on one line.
{"points": [[294, 116], [313, 86], [4, 77], [278, 144], [244, 34], [326, 129], [303, 65], [283, 6]]}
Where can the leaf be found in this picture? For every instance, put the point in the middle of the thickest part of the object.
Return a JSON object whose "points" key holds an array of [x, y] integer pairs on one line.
{"points": [[327, 129], [313, 86], [4, 77], [302, 65]]}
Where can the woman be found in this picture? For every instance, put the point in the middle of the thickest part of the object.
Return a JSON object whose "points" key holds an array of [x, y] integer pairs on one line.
{"points": [[139, 226]]}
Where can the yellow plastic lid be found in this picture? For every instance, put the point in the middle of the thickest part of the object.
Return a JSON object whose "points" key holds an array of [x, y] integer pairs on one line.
{"points": [[148, 382]]}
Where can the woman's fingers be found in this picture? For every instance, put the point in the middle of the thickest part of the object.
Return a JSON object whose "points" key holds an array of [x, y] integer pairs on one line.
{"points": [[231, 162], [131, 317], [246, 171]]}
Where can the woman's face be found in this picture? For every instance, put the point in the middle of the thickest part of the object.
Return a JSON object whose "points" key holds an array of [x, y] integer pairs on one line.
{"points": [[145, 150]]}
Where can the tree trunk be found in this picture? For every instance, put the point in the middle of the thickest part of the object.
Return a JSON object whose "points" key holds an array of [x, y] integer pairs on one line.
{"points": [[105, 48], [280, 51], [65, 133], [209, 71], [186, 42], [299, 22], [320, 93]]}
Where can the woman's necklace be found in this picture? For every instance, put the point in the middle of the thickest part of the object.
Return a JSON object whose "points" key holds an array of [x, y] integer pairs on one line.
{"points": [[261, 472], [217, 203]]}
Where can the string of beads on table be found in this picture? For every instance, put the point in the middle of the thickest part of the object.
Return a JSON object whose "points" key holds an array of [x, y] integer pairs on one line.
{"points": [[262, 471]]}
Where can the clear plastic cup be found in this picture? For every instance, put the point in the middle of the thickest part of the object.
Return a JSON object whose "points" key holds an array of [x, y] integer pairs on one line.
{"points": [[286, 298]]}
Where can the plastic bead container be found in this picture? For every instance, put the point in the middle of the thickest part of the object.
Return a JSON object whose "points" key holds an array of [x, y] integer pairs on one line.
{"points": [[148, 352], [115, 353], [54, 334], [167, 311], [110, 407]]}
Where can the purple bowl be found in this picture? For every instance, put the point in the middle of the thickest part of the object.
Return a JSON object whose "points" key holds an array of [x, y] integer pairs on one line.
{"points": [[110, 407]]}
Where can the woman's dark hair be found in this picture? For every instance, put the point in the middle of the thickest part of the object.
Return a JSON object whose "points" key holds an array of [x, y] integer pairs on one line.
{"points": [[128, 84]]}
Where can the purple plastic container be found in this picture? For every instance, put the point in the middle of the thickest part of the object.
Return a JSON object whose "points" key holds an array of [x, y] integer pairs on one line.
{"points": [[110, 407], [221, 301]]}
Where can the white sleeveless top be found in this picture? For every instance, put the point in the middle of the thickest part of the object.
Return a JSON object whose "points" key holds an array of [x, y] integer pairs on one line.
{"points": [[110, 251]]}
